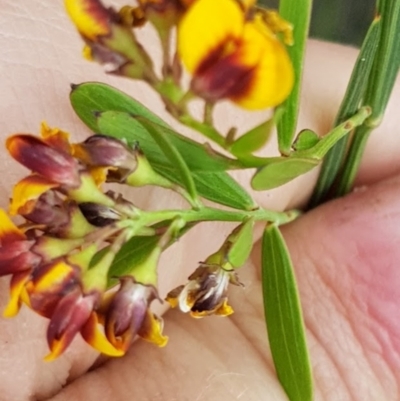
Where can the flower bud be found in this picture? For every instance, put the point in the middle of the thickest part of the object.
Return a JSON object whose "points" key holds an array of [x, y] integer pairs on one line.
{"points": [[104, 151], [69, 317], [129, 315], [205, 293], [38, 156]]}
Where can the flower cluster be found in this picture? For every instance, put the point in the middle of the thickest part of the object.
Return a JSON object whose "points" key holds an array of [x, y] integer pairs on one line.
{"points": [[230, 47], [60, 257]]}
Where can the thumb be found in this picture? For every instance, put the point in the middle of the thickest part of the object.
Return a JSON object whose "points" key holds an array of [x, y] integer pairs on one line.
{"points": [[346, 255]]}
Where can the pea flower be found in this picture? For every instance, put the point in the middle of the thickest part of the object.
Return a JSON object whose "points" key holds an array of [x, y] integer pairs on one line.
{"points": [[233, 55], [205, 293], [129, 315], [109, 39], [68, 221]]}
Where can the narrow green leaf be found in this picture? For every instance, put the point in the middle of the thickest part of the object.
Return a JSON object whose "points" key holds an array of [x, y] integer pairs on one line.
{"points": [[305, 140], [281, 170], [171, 153], [283, 315], [132, 253], [387, 61], [350, 104], [257, 137], [298, 13], [221, 188], [380, 84], [242, 244], [217, 186], [90, 98]]}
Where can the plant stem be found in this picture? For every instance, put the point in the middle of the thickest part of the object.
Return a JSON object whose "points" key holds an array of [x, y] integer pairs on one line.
{"points": [[212, 214]]}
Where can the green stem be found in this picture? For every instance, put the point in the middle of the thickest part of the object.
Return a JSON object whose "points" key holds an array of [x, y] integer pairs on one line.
{"points": [[212, 214], [328, 141], [205, 129], [208, 113], [353, 160]]}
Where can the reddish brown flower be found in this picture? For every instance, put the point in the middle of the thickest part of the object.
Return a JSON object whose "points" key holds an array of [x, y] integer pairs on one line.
{"points": [[49, 162], [205, 293], [129, 315], [70, 315]]}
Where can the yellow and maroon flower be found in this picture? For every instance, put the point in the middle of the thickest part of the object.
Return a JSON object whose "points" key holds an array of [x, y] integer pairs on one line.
{"points": [[109, 39], [69, 317], [49, 162], [91, 18], [205, 293], [15, 250], [129, 315], [49, 283], [232, 57], [100, 151]]}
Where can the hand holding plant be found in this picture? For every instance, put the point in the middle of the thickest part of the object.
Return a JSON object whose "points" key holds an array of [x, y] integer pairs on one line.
{"points": [[155, 155]]}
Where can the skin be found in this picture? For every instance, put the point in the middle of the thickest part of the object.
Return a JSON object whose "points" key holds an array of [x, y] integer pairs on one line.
{"points": [[345, 252]]}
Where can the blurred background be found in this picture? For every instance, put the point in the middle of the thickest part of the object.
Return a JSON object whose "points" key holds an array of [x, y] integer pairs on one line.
{"points": [[344, 21]]}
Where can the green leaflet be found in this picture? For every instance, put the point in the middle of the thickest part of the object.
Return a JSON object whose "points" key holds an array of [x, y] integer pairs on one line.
{"points": [[92, 98], [132, 253], [257, 137], [305, 140], [284, 318], [174, 156], [242, 244], [350, 104], [281, 170], [89, 98], [298, 13], [217, 186]]}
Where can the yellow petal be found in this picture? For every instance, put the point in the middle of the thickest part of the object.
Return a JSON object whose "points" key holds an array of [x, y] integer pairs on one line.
{"points": [[273, 74], [224, 309], [91, 18], [27, 191], [53, 276], [57, 348], [151, 330], [94, 336], [17, 288], [8, 230], [55, 137], [205, 27]]}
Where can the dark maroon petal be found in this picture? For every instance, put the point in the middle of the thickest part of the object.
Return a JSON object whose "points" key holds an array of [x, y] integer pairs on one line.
{"points": [[16, 257], [222, 76], [42, 159], [68, 318]]}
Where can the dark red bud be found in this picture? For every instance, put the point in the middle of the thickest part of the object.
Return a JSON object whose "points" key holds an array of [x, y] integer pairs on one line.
{"points": [[38, 156]]}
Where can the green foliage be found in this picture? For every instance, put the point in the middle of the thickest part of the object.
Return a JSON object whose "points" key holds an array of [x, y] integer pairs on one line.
{"points": [[281, 170], [351, 102], [242, 244], [297, 12], [284, 318]]}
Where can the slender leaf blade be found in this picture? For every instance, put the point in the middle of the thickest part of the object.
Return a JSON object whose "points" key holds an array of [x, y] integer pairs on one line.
{"points": [[351, 102], [257, 137], [132, 253], [286, 331], [297, 12], [280, 171], [380, 85], [221, 188], [172, 154], [217, 186], [90, 98]]}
